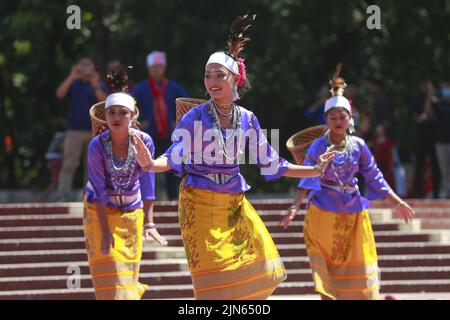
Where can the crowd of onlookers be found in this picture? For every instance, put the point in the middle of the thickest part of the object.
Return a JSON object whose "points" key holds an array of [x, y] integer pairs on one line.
{"points": [[424, 173]]}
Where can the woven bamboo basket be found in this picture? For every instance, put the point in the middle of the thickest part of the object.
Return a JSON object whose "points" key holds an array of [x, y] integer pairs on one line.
{"points": [[183, 105], [98, 119], [299, 143]]}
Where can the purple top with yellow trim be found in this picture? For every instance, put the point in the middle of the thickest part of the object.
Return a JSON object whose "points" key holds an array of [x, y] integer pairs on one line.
{"points": [[327, 192], [205, 156], [123, 189]]}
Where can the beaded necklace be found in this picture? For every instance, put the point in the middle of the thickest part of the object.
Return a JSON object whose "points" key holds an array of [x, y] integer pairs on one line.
{"points": [[342, 157], [120, 175], [235, 129]]}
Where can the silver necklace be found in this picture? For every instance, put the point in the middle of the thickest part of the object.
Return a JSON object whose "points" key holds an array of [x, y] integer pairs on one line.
{"points": [[221, 113], [344, 156], [120, 175], [235, 130]]}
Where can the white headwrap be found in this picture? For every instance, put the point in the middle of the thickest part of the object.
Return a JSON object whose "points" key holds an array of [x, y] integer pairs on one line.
{"points": [[337, 101], [120, 99], [156, 57], [228, 62]]}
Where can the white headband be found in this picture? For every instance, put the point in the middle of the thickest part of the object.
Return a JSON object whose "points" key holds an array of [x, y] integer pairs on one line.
{"points": [[225, 60], [337, 101], [120, 99]]}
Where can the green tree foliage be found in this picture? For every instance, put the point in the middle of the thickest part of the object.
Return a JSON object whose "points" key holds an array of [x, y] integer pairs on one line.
{"points": [[294, 49]]}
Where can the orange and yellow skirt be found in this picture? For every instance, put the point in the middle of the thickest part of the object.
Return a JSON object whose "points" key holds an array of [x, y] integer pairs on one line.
{"points": [[342, 254], [231, 254], [115, 276]]}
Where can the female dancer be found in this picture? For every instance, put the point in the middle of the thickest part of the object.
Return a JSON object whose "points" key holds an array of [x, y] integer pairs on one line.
{"points": [[229, 250], [117, 196], [337, 231]]}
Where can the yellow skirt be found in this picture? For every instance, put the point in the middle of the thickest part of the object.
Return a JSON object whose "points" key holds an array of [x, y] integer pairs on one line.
{"points": [[342, 254], [231, 254], [115, 276]]}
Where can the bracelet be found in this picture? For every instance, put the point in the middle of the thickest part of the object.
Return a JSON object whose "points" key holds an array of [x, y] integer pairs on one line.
{"points": [[400, 204], [292, 207], [147, 168], [319, 169], [149, 225]]}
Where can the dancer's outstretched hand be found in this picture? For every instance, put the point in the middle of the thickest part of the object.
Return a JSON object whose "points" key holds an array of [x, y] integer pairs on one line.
{"points": [[404, 211], [153, 233], [143, 155], [289, 216]]}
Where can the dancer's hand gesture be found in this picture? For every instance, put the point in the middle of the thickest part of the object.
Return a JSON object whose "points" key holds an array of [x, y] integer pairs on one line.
{"points": [[404, 211], [153, 233], [289, 216], [143, 155], [107, 243], [326, 157]]}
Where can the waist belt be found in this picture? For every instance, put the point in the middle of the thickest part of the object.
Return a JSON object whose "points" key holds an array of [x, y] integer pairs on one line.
{"points": [[345, 188], [123, 200], [118, 200], [219, 178]]}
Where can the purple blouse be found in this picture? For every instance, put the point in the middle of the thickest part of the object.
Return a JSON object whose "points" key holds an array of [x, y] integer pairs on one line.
{"points": [[337, 190], [196, 155], [123, 189]]}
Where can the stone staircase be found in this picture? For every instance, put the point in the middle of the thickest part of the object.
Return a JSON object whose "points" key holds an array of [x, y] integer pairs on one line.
{"points": [[41, 245]]}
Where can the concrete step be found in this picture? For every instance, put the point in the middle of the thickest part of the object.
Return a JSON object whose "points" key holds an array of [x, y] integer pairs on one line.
{"points": [[438, 224], [35, 256], [154, 292], [398, 286], [180, 264], [384, 261], [183, 278], [152, 251], [64, 268], [11, 221], [415, 203], [401, 248], [78, 242]]}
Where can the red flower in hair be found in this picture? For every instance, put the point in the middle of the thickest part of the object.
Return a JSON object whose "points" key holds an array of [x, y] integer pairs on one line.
{"points": [[242, 72]]}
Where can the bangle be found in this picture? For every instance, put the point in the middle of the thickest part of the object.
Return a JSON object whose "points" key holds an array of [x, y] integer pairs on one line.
{"points": [[400, 204], [148, 167], [290, 208], [149, 225], [319, 169]]}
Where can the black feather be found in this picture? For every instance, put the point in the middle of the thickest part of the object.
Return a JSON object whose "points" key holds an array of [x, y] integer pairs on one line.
{"points": [[237, 37], [118, 79]]}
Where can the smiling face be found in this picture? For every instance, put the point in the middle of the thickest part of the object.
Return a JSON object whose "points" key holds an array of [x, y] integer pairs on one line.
{"points": [[118, 118], [219, 83], [338, 120]]}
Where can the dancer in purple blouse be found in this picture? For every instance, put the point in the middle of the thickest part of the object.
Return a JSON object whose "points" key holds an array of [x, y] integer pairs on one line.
{"points": [[229, 250], [118, 200], [337, 231]]}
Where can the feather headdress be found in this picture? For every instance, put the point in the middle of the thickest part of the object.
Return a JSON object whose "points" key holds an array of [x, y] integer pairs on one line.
{"points": [[337, 83], [117, 79], [237, 37]]}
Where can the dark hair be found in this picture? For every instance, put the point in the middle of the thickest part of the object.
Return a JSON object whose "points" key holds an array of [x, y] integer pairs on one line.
{"points": [[242, 91]]}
